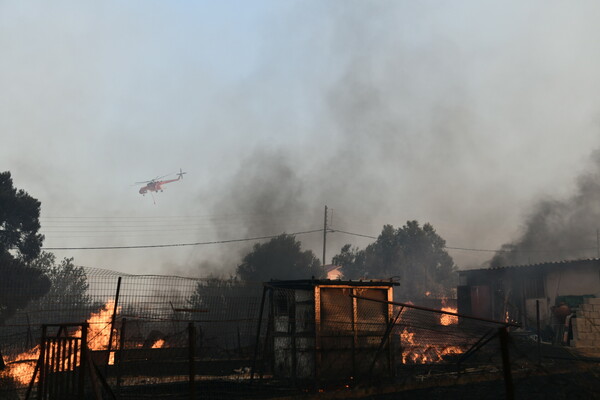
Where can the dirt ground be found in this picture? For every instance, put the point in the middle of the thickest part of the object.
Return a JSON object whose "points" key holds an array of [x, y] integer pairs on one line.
{"points": [[547, 372]]}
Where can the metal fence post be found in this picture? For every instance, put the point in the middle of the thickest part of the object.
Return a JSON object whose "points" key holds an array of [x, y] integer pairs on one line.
{"points": [[508, 383], [191, 355], [112, 325], [82, 360], [119, 357], [257, 344], [539, 339], [42, 378]]}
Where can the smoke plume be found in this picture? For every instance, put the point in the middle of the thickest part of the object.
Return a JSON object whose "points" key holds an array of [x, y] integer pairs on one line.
{"points": [[560, 229]]}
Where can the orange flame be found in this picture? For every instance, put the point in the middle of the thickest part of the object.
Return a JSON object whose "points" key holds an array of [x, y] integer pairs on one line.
{"points": [[159, 344], [22, 366], [420, 352], [446, 319]]}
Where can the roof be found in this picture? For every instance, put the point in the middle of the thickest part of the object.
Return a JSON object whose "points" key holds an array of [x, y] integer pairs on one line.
{"points": [[306, 284], [551, 264], [331, 267]]}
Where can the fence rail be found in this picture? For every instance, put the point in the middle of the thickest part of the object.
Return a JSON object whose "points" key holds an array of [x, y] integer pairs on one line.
{"points": [[175, 337]]}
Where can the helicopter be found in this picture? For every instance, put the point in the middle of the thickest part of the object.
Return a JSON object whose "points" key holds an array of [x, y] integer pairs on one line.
{"points": [[155, 185]]}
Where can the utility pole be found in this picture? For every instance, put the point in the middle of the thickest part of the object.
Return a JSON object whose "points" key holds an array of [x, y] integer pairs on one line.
{"points": [[324, 234], [597, 243]]}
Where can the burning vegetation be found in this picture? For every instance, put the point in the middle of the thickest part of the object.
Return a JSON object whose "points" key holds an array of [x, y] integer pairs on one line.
{"points": [[419, 346], [21, 367]]}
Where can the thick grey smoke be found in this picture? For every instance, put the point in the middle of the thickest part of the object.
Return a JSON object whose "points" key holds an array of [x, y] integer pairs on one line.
{"points": [[559, 229], [459, 114], [425, 116], [264, 197]]}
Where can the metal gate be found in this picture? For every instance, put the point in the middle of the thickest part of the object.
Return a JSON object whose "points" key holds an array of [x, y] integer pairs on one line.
{"points": [[60, 369]]}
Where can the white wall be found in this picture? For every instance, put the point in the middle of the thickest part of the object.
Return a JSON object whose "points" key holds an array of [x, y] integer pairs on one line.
{"points": [[575, 281]]}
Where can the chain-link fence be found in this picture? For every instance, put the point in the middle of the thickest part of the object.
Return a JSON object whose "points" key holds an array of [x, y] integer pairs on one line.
{"points": [[138, 329], [328, 332], [173, 337]]}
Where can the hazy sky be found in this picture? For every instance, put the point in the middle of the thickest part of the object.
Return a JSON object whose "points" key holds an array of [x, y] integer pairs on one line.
{"points": [[464, 114]]}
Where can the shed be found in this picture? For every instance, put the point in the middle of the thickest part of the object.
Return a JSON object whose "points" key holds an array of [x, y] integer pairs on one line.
{"points": [[513, 292], [320, 332]]}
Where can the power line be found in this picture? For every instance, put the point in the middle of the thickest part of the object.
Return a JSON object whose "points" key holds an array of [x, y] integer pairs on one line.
{"points": [[480, 250], [353, 234], [163, 217], [177, 244], [329, 230]]}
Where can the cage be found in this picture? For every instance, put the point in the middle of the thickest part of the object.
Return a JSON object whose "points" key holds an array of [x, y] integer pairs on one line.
{"points": [[320, 330]]}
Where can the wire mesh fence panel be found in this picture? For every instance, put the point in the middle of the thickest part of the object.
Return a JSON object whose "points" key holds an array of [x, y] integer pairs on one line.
{"points": [[175, 337], [336, 333], [139, 328]]}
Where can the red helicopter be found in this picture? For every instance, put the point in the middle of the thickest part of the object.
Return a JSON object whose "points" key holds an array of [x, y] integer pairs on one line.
{"points": [[155, 185]]}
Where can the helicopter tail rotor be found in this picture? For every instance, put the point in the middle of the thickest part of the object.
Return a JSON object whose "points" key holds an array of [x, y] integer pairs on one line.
{"points": [[181, 173]]}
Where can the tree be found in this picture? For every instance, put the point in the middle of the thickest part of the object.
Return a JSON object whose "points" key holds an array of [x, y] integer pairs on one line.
{"points": [[67, 298], [279, 258], [412, 253], [20, 243], [19, 221], [353, 261], [19, 284]]}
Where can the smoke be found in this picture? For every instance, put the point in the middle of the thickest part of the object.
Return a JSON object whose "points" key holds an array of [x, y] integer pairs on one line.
{"points": [[264, 197], [559, 229], [455, 114], [424, 116]]}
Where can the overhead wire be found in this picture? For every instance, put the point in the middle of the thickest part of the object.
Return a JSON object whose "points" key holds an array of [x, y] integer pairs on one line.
{"points": [[177, 244], [472, 249], [148, 229]]}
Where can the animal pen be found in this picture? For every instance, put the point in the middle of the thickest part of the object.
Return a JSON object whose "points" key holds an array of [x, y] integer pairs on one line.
{"points": [[135, 337]]}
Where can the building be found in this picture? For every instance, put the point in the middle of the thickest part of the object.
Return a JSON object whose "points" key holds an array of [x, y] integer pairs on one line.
{"points": [[334, 271], [514, 292]]}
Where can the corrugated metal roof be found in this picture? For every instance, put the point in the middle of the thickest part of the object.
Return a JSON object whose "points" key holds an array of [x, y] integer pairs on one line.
{"points": [[308, 283], [538, 265]]}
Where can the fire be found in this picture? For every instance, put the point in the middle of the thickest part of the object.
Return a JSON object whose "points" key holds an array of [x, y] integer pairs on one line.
{"points": [[99, 330], [419, 348], [446, 319], [22, 366], [420, 352], [159, 344]]}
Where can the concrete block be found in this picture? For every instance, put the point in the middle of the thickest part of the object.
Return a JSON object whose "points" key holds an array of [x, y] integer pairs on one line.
{"points": [[582, 314], [583, 343], [577, 343], [592, 300], [587, 307]]}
